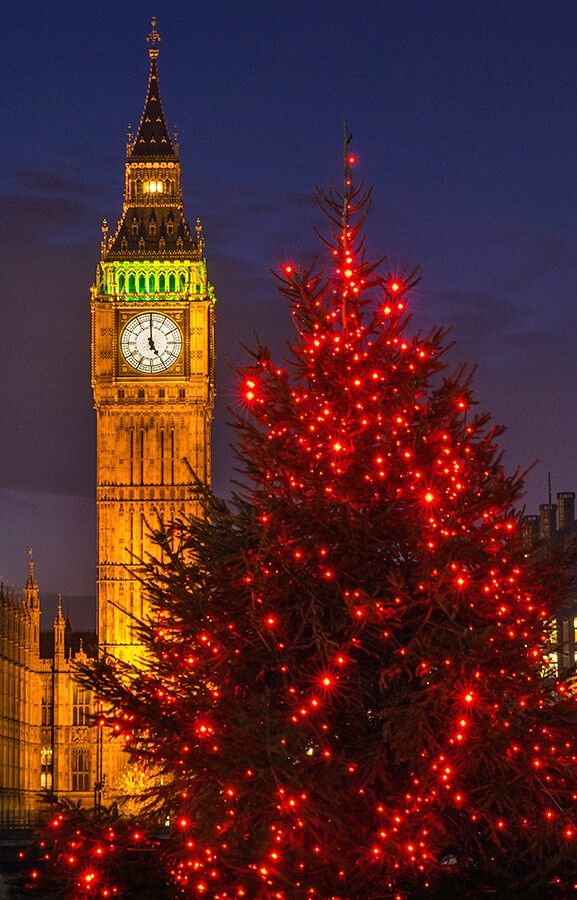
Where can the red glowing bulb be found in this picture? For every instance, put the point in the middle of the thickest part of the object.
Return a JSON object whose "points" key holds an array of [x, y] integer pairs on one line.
{"points": [[395, 286], [429, 497]]}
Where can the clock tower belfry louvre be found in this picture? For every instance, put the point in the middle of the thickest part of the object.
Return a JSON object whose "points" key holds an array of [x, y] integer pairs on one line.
{"points": [[152, 369]]}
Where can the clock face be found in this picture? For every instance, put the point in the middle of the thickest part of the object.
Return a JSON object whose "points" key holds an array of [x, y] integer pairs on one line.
{"points": [[151, 342]]}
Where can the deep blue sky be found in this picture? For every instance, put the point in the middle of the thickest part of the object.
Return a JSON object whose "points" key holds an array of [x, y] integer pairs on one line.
{"points": [[463, 120]]}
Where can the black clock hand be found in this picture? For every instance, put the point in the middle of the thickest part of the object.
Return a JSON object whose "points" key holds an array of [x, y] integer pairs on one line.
{"points": [[150, 339]]}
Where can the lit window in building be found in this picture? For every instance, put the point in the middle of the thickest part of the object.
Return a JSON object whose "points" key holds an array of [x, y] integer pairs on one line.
{"points": [[47, 709], [80, 706], [153, 187], [81, 769], [46, 768]]}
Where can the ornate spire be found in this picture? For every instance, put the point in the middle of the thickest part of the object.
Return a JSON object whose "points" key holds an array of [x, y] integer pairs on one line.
{"points": [[31, 583], [153, 224], [152, 139]]}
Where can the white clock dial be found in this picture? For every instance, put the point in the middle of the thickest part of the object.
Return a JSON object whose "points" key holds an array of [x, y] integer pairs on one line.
{"points": [[151, 342]]}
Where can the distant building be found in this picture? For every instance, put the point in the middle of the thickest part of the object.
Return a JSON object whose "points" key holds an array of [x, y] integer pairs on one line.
{"points": [[153, 380], [556, 526], [46, 743]]}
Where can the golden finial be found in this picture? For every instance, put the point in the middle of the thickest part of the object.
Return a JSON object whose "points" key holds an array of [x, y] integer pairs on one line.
{"points": [[104, 241], [31, 564], [153, 39]]}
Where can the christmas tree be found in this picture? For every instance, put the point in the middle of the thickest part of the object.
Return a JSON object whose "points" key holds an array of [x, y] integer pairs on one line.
{"points": [[350, 691], [95, 853]]}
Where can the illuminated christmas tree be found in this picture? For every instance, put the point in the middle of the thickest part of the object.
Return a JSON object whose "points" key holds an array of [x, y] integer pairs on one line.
{"points": [[350, 693]]}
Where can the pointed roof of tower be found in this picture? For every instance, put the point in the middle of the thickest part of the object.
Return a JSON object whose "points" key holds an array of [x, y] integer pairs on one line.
{"points": [[59, 620], [152, 139], [31, 584]]}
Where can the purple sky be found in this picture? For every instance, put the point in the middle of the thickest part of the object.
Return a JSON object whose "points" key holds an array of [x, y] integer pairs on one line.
{"points": [[463, 121]]}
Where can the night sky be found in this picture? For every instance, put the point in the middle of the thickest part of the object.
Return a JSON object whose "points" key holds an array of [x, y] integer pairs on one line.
{"points": [[463, 121]]}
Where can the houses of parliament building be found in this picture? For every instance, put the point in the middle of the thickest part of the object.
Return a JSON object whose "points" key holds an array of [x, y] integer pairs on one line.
{"points": [[153, 380]]}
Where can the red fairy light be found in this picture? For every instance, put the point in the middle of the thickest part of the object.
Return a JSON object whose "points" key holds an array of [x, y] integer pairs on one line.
{"points": [[352, 160], [287, 269], [204, 730], [429, 497], [395, 286]]}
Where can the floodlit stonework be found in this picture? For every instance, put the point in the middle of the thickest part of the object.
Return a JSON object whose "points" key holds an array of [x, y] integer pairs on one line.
{"points": [[153, 380]]}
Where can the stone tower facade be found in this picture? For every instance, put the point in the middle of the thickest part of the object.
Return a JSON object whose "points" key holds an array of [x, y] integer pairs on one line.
{"points": [[153, 380], [152, 370]]}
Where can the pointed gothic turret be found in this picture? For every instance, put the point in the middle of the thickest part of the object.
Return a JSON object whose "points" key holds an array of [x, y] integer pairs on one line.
{"points": [[31, 596], [59, 632], [152, 139], [153, 224]]}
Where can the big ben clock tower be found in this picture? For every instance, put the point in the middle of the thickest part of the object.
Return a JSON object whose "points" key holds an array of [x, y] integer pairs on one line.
{"points": [[152, 369]]}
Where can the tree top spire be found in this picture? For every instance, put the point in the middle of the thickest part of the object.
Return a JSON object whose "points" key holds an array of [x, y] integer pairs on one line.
{"points": [[347, 180]]}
